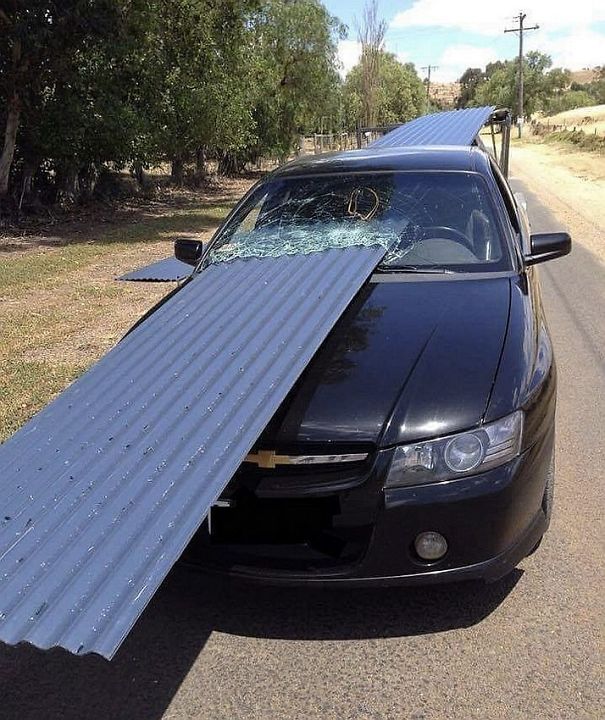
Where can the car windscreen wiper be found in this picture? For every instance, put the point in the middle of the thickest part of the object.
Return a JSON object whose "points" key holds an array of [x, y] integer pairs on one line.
{"points": [[423, 270]]}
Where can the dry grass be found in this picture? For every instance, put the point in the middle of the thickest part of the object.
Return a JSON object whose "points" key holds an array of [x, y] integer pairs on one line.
{"points": [[590, 119], [596, 112], [60, 306], [584, 76]]}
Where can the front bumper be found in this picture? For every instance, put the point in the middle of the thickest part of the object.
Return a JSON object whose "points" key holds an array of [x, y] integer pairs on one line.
{"points": [[491, 521]]}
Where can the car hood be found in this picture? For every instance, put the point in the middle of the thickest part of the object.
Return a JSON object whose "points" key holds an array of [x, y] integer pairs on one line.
{"points": [[412, 357]]}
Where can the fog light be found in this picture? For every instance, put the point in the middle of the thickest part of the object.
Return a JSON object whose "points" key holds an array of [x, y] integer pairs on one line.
{"points": [[430, 545]]}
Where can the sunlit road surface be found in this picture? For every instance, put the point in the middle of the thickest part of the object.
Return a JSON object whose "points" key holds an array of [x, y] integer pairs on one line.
{"points": [[530, 646]]}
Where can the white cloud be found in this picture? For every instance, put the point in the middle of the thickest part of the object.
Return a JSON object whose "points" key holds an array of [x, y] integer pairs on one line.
{"points": [[580, 49], [485, 19], [349, 52], [403, 56], [456, 58], [565, 33]]}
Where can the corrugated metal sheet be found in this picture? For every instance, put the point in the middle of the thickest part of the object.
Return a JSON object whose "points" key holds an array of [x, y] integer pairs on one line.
{"points": [[454, 127], [103, 489], [167, 270]]}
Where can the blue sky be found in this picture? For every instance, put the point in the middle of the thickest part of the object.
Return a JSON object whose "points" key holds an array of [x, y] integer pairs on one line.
{"points": [[456, 34]]}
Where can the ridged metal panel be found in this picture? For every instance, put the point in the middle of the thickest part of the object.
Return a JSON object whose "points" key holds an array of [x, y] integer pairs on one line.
{"points": [[167, 270], [454, 127], [103, 489]]}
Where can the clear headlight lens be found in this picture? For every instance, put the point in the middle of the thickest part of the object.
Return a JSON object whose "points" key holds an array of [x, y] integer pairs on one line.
{"points": [[457, 455], [463, 453]]}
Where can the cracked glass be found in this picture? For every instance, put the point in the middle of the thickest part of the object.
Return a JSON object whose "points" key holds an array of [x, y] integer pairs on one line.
{"points": [[424, 220]]}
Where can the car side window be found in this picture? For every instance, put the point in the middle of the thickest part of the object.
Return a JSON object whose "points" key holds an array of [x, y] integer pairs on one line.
{"points": [[250, 220]]}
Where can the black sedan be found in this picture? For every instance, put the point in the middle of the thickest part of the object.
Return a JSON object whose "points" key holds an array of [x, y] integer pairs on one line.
{"points": [[418, 445]]}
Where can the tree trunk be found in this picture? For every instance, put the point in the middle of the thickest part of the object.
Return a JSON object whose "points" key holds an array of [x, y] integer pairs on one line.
{"points": [[10, 142], [87, 181], [68, 186], [200, 160], [200, 165], [177, 172], [30, 167], [230, 164], [139, 173]]}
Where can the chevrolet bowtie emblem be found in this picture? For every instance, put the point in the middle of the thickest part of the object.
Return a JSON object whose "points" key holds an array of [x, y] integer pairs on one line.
{"points": [[267, 459]]}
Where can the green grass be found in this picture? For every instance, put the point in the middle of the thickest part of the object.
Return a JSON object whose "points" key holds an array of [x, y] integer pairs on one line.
{"points": [[35, 267], [49, 296], [26, 386]]}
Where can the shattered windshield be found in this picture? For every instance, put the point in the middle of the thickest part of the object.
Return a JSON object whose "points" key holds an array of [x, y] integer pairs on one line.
{"points": [[423, 220]]}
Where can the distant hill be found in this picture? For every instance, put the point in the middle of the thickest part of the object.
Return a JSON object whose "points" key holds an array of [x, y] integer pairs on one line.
{"points": [[584, 76], [445, 94], [589, 119]]}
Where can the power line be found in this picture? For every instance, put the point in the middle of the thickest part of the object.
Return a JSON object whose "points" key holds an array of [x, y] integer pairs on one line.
{"points": [[428, 68], [520, 29]]}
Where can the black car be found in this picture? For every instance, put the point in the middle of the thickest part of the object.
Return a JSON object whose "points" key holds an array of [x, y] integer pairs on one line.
{"points": [[418, 445], [354, 385]]}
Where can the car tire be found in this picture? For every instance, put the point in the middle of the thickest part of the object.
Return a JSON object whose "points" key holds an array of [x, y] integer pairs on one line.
{"points": [[547, 499]]}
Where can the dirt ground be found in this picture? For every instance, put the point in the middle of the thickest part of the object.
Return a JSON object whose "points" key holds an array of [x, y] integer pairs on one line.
{"points": [[571, 183]]}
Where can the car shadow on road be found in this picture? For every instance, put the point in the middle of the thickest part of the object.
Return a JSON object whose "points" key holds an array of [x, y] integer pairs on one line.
{"points": [[148, 669], [339, 614]]}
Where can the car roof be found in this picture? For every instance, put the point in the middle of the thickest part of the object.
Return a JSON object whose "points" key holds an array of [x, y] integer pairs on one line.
{"points": [[448, 158]]}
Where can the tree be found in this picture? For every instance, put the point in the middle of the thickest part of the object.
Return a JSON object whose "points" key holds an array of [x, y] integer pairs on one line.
{"points": [[400, 95], [87, 85], [66, 93], [493, 67], [469, 81], [291, 74], [540, 83], [13, 67], [569, 101], [597, 86], [499, 88], [37, 40], [193, 59], [370, 35]]}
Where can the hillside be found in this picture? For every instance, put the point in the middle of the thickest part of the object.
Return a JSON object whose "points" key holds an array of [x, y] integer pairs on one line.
{"points": [[445, 94], [590, 119], [582, 77]]}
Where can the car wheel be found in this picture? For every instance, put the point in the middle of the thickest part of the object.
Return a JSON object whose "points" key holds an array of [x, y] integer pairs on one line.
{"points": [[547, 499]]}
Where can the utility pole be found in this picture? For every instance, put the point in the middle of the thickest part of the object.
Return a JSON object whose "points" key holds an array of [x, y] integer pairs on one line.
{"points": [[520, 29], [428, 69]]}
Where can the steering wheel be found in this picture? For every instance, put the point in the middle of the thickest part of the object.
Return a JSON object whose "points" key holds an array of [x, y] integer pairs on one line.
{"points": [[440, 231]]}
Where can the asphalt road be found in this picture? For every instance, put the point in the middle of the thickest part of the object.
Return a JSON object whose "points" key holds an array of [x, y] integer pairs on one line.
{"points": [[529, 646]]}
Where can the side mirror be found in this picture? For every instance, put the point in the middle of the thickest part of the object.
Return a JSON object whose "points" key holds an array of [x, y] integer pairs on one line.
{"points": [[188, 251], [547, 246]]}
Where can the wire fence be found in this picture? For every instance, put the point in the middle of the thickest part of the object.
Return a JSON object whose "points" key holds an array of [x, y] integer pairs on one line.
{"points": [[319, 143], [583, 138], [545, 128]]}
